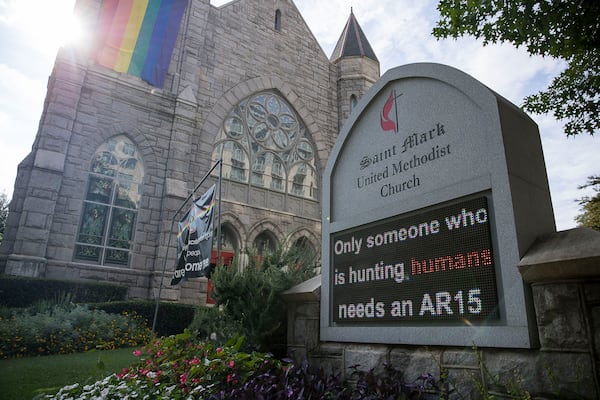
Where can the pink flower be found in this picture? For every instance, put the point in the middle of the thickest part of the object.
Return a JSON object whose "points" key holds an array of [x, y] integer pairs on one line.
{"points": [[137, 352], [219, 349], [160, 353], [195, 380], [231, 364], [123, 373], [194, 361], [183, 378]]}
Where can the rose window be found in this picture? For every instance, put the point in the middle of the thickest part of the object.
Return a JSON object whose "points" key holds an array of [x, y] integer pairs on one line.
{"points": [[264, 143]]}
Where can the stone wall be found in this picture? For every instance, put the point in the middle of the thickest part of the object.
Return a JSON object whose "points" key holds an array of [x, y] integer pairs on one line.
{"points": [[355, 76], [564, 272], [222, 55]]}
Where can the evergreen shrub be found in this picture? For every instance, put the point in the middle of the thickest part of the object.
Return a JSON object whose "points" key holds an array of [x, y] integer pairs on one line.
{"points": [[16, 291], [248, 298]]}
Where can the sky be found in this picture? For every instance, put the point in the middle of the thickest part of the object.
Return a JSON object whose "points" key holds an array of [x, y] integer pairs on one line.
{"points": [[399, 31]]}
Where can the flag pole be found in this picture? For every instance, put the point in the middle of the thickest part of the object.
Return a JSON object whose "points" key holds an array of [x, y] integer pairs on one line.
{"points": [[219, 215], [162, 277]]}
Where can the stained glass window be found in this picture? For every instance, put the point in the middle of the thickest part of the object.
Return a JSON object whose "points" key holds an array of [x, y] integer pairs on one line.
{"points": [[110, 207], [264, 143]]}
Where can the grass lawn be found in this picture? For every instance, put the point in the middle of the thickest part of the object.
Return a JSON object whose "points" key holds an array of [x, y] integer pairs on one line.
{"points": [[20, 378]]}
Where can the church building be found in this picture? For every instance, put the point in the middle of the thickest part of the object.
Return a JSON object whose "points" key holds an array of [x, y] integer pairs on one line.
{"points": [[134, 119]]}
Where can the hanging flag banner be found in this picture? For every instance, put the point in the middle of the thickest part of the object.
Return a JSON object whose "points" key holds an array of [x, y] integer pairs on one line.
{"points": [[195, 238], [138, 36]]}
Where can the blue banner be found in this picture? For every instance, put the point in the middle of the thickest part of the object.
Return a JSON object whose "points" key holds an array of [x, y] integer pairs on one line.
{"points": [[195, 239]]}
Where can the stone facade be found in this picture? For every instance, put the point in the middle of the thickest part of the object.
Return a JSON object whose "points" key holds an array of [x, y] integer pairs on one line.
{"points": [[222, 56], [352, 72], [563, 270]]}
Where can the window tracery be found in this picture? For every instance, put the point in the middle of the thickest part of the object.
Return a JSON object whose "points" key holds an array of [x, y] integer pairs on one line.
{"points": [[264, 143], [110, 206]]}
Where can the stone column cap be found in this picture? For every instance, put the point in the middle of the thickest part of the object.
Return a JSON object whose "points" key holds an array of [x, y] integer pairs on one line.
{"points": [[309, 290], [570, 254]]}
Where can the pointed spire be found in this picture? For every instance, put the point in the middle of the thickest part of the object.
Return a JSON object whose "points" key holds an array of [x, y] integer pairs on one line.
{"points": [[353, 42]]}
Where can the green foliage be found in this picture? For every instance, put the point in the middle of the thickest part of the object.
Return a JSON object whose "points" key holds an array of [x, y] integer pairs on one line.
{"points": [[512, 384], [568, 30], [590, 216], [177, 367], [61, 301], [172, 318], [67, 328], [249, 297], [212, 323], [558, 29], [180, 367], [24, 291], [573, 96]]}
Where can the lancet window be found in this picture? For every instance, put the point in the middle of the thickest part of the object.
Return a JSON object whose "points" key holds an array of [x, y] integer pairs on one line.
{"points": [[111, 202]]}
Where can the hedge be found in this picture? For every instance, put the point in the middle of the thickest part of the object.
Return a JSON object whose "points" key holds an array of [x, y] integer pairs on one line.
{"points": [[172, 319], [16, 291]]}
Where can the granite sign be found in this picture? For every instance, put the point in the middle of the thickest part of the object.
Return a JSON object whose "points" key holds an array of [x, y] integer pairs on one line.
{"points": [[434, 190]]}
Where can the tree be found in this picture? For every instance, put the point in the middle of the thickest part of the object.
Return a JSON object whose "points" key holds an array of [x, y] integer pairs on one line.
{"points": [[567, 30], [3, 213], [248, 296], [590, 215]]}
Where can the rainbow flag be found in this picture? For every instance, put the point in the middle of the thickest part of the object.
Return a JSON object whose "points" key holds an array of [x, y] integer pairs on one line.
{"points": [[137, 36]]}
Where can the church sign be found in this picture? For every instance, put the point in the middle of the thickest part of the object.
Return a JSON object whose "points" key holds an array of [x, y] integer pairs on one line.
{"points": [[434, 190]]}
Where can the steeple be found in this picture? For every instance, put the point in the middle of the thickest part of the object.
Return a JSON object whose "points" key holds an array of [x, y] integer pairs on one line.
{"points": [[353, 42], [357, 67]]}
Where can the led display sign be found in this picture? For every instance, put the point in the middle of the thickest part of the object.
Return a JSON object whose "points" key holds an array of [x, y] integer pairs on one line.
{"points": [[433, 265]]}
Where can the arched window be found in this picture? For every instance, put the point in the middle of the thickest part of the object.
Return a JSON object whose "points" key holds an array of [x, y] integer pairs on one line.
{"points": [[229, 239], [111, 203], [303, 249], [353, 102], [278, 20], [264, 143], [265, 242], [229, 244]]}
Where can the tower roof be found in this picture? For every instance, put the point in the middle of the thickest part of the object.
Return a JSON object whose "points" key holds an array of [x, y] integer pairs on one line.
{"points": [[353, 42]]}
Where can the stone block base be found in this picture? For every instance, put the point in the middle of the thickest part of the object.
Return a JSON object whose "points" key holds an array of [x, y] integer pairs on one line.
{"points": [[34, 267]]}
